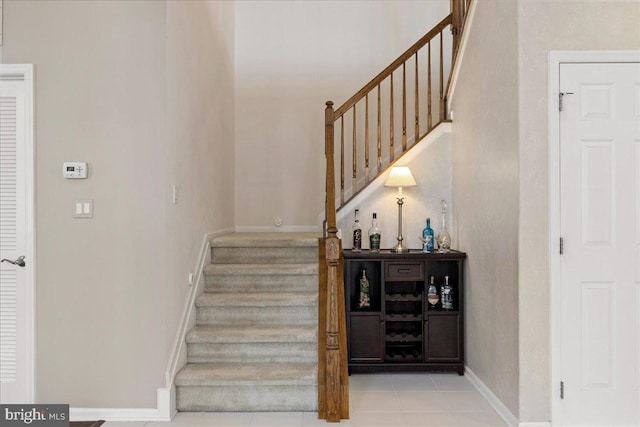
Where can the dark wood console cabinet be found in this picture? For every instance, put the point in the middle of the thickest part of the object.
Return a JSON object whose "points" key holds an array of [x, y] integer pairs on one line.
{"points": [[400, 331]]}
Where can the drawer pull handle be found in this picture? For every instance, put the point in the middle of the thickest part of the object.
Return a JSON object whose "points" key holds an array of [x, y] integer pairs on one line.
{"points": [[404, 270]]}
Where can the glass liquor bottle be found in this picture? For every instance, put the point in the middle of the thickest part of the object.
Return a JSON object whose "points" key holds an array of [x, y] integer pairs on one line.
{"points": [[364, 301], [447, 295], [374, 235], [427, 237], [443, 238], [432, 294], [357, 234]]}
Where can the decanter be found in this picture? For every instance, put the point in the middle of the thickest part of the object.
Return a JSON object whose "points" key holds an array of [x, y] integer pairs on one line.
{"points": [[443, 238]]}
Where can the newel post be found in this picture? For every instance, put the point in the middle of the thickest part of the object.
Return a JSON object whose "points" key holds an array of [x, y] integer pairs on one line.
{"points": [[333, 382], [332, 253]]}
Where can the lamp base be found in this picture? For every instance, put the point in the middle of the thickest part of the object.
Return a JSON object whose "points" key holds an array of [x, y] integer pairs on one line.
{"points": [[399, 248]]}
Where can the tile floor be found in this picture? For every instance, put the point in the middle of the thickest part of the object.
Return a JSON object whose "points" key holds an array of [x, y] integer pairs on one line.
{"points": [[377, 400]]}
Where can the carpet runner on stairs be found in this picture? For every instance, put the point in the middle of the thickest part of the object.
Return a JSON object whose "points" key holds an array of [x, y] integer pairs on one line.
{"points": [[254, 347]]}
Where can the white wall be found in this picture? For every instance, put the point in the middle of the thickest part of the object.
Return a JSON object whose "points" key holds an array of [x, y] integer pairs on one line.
{"points": [[485, 195], [291, 57], [545, 26], [127, 87], [200, 149], [430, 164]]}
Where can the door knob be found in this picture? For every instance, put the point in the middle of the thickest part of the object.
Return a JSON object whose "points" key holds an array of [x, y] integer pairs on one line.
{"points": [[19, 262]]}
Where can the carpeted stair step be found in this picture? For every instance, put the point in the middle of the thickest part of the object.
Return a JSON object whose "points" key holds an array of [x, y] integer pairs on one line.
{"points": [[255, 344], [257, 308], [257, 299], [247, 387], [265, 248], [215, 344], [301, 277]]}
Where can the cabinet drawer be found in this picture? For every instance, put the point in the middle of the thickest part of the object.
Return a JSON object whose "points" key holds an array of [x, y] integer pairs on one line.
{"points": [[404, 271]]}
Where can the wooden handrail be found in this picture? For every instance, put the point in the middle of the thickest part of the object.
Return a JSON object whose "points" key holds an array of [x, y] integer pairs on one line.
{"points": [[393, 66]]}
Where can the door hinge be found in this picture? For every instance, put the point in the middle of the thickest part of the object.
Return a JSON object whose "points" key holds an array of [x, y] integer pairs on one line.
{"points": [[561, 245], [560, 96], [561, 389]]}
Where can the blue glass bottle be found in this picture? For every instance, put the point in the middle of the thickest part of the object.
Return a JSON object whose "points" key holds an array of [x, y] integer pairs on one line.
{"points": [[427, 238]]}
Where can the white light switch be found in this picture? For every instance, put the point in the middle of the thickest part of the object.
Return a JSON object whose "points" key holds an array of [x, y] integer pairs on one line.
{"points": [[83, 208]]}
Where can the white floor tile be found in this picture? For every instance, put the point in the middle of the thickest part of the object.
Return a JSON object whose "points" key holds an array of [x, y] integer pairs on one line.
{"points": [[276, 419], [453, 419], [310, 419], [452, 382], [370, 382], [377, 419], [374, 401], [450, 401], [412, 382]]}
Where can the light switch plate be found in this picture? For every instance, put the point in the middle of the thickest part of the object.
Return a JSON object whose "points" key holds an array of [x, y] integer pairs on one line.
{"points": [[83, 208]]}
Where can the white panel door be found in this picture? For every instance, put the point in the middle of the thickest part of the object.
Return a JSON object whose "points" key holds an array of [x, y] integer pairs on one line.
{"points": [[600, 224], [14, 298]]}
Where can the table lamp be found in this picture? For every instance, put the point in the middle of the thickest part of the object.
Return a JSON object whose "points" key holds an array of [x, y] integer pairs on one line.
{"points": [[400, 176]]}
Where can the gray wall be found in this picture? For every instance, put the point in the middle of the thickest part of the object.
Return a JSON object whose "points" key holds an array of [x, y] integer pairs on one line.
{"points": [[485, 195], [545, 26], [116, 87]]}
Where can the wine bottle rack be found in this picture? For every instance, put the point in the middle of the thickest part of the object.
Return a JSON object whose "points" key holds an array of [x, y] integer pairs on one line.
{"points": [[401, 331]]}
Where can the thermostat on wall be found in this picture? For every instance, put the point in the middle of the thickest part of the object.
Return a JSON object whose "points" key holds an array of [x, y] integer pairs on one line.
{"points": [[74, 170]]}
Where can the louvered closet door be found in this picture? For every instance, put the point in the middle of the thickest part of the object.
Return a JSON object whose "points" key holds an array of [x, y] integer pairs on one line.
{"points": [[13, 333]]}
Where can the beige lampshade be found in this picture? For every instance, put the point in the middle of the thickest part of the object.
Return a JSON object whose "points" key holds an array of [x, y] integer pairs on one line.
{"points": [[400, 176]]}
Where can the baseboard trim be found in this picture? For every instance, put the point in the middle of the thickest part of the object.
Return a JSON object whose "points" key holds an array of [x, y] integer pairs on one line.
{"points": [[282, 229], [162, 413], [493, 400], [187, 321]]}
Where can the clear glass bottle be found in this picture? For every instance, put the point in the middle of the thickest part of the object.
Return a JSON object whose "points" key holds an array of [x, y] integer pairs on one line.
{"points": [[432, 294], [443, 238], [357, 234], [374, 235], [447, 295], [427, 237], [364, 301]]}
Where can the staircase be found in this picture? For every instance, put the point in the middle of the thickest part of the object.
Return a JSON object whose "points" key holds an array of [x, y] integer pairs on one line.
{"points": [[254, 346]]}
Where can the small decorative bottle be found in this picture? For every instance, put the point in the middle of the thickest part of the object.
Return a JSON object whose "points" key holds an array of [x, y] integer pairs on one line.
{"points": [[374, 235], [443, 238], [447, 295], [432, 294], [427, 237], [357, 234], [365, 297]]}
